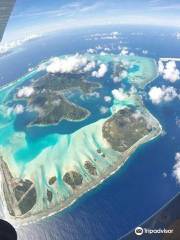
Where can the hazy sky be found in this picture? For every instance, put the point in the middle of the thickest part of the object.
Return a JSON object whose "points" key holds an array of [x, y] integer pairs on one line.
{"points": [[48, 15]]}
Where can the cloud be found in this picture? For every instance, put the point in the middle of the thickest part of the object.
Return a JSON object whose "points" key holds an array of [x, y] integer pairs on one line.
{"points": [[176, 168], [19, 109], [119, 94], [161, 67], [91, 50], [103, 53], [25, 92], [164, 174], [116, 79], [107, 98], [126, 64], [101, 72], [107, 49], [103, 110], [89, 66], [121, 76], [70, 64], [96, 14], [162, 94], [169, 71], [10, 46], [124, 51], [137, 115], [99, 47]]}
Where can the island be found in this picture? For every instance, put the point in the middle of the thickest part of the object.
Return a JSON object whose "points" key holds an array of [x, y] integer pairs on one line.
{"points": [[48, 99], [44, 172]]}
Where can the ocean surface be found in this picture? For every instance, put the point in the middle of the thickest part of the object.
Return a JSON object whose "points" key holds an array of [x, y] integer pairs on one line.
{"points": [[145, 182]]}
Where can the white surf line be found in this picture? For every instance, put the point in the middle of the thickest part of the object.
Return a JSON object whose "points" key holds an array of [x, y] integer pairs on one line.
{"points": [[170, 59]]}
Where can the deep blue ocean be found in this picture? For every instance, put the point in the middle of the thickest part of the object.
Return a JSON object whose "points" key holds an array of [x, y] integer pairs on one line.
{"points": [[145, 183]]}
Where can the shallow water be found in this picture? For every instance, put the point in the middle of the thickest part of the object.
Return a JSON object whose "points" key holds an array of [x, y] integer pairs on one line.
{"points": [[139, 188]]}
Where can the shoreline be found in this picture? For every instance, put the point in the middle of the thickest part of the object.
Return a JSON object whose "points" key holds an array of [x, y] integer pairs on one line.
{"points": [[30, 219], [40, 67], [38, 211], [63, 119]]}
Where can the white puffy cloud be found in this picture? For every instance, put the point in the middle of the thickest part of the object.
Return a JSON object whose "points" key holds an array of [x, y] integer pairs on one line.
{"points": [[161, 67], [25, 92], [99, 47], [121, 76], [156, 95], [162, 94], [119, 94], [126, 64], [19, 109], [116, 79], [89, 66], [176, 168], [124, 51], [107, 49], [107, 98], [136, 115], [124, 74], [133, 91], [10, 46], [91, 50], [169, 71], [68, 64], [103, 53], [164, 174], [103, 110], [42, 66], [30, 69], [101, 72]]}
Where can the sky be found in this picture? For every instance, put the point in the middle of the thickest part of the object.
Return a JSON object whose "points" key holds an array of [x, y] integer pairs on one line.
{"points": [[43, 16]]}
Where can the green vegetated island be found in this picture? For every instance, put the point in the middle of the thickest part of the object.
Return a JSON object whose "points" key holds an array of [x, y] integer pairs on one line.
{"points": [[43, 177]]}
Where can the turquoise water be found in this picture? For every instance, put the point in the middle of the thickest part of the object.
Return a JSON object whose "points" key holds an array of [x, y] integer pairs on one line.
{"points": [[139, 188], [33, 149], [39, 138], [40, 155]]}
